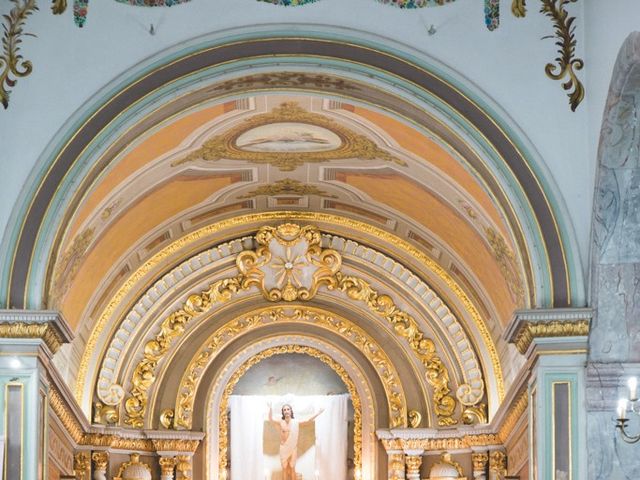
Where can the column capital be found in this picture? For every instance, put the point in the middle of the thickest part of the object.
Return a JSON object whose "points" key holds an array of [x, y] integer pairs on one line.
{"points": [[47, 325], [555, 328]]}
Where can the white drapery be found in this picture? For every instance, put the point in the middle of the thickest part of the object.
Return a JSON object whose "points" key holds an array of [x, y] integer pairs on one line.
{"points": [[248, 413]]}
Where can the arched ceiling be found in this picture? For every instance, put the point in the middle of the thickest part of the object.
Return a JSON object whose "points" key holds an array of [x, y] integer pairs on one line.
{"points": [[426, 199], [295, 152]]}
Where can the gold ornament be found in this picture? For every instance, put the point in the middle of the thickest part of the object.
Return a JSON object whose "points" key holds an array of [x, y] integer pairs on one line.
{"points": [[105, 414], [498, 463], [81, 464], [293, 254], [519, 8], [167, 465], [171, 328], [357, 336], [166, 418], [100, 460], [415, 418], [480, 461], [530, 330], [516, 411], [289, 215], [567, 65], [476, 414], [413, 463], [287, 186], [406, 326], [11, 61], [46, 331], [353, 146], [69, 421], [183, 466]]}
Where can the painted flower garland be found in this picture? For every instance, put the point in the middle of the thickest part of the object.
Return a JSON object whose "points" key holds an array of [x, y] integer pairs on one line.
{"points": [[491, 7]]}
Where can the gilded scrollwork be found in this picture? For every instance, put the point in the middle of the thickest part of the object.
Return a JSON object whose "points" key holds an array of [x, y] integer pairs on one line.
{"points": [[415, 418], [303, 216], [11, 61], [566, 62], [357, 336], [171, 328], [289, 263], [475, 414], [406, 326], [223, 426]]}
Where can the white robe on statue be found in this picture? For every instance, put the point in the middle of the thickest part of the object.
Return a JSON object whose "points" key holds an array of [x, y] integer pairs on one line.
{"points": [[291, 443]]}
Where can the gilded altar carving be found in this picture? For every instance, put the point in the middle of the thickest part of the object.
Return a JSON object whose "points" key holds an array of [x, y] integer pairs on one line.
{"points": [[498, 463], [352, 145], [518, 408], [100, 460], [406, 326], [81, 464], [167, 418], [175, 445], [413, 463], [519, 8], [183, 466], [357, 336], [171, 328], [223, 425], [63, 412], [167, 465], [289, 263], [415, 418], [364, 228], [476, 414], [479, 461]]}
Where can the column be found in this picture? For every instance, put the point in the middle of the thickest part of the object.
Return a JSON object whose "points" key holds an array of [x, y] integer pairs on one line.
{"points": [[480, 462], [183, 467], [167, 466], [396, 465], [28, 340], [554, 341], [100, 462], [81, 465], [497, 465], [413, 459]]}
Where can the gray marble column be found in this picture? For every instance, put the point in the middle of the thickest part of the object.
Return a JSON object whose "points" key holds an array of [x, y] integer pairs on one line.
{"points": [[614, 342]]}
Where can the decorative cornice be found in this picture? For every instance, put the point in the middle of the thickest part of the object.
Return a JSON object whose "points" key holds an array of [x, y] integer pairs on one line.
{"points": [[516, 411], [527, 325], [69, 421], [430, 439], [48, 325]]}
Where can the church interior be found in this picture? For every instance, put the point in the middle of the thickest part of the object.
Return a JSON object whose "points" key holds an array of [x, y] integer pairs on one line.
{"points": [[400, 237]]}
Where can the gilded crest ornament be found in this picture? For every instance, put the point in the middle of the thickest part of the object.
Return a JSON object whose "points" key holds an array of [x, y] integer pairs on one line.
{"points": [[289, 264]]}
